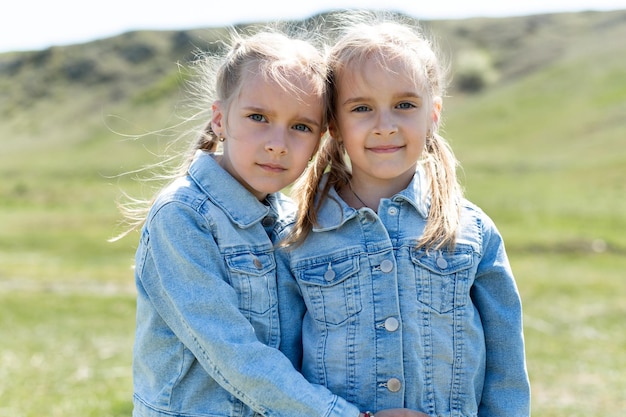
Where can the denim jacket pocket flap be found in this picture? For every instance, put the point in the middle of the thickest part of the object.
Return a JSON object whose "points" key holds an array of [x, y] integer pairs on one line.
{"points": [[331, 289], [251, 263], [443, 262], [442, 278], [331, 273]]}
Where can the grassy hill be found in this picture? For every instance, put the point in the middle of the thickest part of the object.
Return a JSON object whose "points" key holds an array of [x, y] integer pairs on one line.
{"points": [[536, 114]]}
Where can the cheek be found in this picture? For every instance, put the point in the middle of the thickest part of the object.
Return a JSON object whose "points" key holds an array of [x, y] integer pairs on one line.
{"points": [[240, 149], [352, 147], [344, 122], [301, 148], [350, 131]]}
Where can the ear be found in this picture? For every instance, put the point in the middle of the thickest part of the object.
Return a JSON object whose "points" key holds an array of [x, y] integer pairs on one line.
{"points": [[332, 129], [217, 118], [437, 105]]}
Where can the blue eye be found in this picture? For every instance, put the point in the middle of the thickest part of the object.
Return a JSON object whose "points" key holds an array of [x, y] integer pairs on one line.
{"points": [[257, 117], [360, 109], [302, 128], [405, 105]]}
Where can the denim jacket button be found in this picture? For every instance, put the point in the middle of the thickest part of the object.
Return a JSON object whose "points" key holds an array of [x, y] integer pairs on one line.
{"points": [[392, 324], [442, 263], [386, 266], [257, 263], [267, 221], [329, 275], [392, 211], [394, 384]]}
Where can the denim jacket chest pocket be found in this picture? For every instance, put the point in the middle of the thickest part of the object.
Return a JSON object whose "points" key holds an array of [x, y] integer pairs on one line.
{"points": [[331, 289], [253, 276], [442, 277]]}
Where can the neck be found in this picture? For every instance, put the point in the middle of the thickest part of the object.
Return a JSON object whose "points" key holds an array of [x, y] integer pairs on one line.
{"points": [[368, 194], [359, 201]]}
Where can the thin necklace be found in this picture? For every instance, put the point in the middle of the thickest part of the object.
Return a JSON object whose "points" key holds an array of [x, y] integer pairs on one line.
{"points": [[357, 196]]}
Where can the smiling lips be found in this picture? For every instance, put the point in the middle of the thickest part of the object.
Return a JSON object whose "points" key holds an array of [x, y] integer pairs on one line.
{"points": [[385, 149], [272, 167]]}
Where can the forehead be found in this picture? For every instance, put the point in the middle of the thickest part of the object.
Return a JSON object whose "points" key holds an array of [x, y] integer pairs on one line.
{"points": [[299, 98], [289, 79], [373, 74]]}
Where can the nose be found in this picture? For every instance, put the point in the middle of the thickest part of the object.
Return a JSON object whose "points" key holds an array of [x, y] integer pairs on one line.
{"points": [[385, 124], [277, 143]]}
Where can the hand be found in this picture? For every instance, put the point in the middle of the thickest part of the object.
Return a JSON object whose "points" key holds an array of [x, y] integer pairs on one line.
{"points": [[399, 412]]}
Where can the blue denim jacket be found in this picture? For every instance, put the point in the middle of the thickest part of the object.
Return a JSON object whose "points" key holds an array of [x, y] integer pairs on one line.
{"points": [[207, 315], [388, 325]]}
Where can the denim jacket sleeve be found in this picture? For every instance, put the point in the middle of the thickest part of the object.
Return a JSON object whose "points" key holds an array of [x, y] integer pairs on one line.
{"points": [[506, 389], [190, 291]]}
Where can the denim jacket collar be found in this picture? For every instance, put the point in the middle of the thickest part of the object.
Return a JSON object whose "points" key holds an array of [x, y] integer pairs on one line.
{"points": [[241, 206], [334, 212], [417, 193]]}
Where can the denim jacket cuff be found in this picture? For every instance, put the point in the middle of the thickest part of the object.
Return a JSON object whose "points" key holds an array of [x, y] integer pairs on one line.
{"points": [[342, 408]]}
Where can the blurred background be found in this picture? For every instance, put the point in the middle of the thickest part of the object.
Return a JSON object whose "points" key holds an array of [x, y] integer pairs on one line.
{"points": [[536, 113]]}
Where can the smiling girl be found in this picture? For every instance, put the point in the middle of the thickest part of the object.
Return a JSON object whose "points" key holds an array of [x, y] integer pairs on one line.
{"points": [[405, 289]]}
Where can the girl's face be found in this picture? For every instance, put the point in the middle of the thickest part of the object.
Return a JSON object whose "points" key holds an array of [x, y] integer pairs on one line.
{"points": [[270, 133], [383, 117]]}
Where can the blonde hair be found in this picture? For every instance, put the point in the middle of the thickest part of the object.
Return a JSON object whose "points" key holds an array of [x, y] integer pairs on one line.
{"points": [[278, 53], [385, 37]]}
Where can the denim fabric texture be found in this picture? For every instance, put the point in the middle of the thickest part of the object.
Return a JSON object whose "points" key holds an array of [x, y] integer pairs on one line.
{"points": [[207, 315], [389, 325]]}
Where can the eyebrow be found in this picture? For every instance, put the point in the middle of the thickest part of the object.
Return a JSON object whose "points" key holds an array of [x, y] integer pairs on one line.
{"points": [[354, 100], [254, 109]]}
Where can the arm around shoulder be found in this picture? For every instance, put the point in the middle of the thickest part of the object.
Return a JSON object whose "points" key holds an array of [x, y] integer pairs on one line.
{"points": [[186, 290]]}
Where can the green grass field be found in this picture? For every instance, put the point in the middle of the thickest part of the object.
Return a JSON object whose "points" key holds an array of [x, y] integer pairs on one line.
{"points": [[543, 153], [66, 349]]}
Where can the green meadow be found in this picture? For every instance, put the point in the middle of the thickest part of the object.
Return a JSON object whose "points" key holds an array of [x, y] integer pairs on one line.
{"points": [[536, 114]]}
